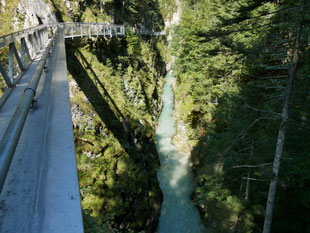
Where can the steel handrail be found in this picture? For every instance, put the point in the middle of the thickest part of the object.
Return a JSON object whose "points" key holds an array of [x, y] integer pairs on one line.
{"points": [[14, 36], [77, 29], [13, 131], [22, 31]]}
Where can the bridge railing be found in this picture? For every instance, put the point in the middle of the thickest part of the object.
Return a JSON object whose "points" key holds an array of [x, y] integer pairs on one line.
{"points": [[73, 30], [14, 129], [18, 49]]}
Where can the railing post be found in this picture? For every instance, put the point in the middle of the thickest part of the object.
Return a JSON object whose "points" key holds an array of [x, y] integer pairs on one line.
{"points": [[22, 51], [34, 43], [40, 40], [97, 29], [27, 49], [72, 31], [30, 46], [81, 30], [19, 62], [65, 30], [45, 35], [11, 73], [5, 76]]}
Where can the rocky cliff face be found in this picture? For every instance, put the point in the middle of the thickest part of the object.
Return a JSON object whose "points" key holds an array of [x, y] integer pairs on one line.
{"points": [[16, 15], [3, 5], [35, 12]]}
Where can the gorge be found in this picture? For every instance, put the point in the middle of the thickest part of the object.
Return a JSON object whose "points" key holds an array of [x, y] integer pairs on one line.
{"points": [[206, 158]]}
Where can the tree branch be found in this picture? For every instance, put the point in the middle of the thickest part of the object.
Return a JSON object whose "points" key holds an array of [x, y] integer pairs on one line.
{"points": [[244, 131], [260, 165], [259, 110], [246, 178]]}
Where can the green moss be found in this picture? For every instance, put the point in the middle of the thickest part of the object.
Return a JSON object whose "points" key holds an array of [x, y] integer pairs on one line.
{"points": [[6, 17]]}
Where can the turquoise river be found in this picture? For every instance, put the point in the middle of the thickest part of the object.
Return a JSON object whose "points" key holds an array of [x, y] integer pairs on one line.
{"points": [[178, 213]]}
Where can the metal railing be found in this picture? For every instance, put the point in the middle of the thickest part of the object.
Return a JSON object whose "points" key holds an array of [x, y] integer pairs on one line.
{"points": [[73, 30], [14, 129], [30, 43], [25, 44], [12, 37]]}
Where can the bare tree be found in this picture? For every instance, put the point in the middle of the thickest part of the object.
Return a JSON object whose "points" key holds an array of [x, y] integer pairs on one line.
{"points": [[282, 130]]}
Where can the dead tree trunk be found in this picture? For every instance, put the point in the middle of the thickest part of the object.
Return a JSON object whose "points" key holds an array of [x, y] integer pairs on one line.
{"points": [[282, 132]]}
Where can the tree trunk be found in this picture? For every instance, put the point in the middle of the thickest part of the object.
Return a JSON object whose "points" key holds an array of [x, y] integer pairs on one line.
{"points": [[123, 9], [282, 132], [247, 190]]}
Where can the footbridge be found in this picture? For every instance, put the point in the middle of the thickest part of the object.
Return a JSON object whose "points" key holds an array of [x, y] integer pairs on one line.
{"points": [[38, 175]]}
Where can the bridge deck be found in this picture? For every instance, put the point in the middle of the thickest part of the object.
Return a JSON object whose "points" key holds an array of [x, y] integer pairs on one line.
{"points": [[41, 191]]}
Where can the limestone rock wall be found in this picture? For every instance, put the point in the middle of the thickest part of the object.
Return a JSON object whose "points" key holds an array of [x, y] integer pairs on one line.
{"points": [[35, 12]]}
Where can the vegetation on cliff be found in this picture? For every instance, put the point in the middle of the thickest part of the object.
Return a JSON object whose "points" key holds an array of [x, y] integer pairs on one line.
{"points": [[234, 60], [115, 96], [115, 104]]}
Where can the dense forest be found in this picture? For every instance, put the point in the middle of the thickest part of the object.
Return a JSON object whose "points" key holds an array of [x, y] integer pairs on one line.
{"points": [[241, 103], [240, 64]]}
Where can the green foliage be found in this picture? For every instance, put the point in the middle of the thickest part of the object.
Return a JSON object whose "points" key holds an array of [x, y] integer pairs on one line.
{"points": [[231, 69], [91, 224], [145, 13], [133, 45], [10, 11]]}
